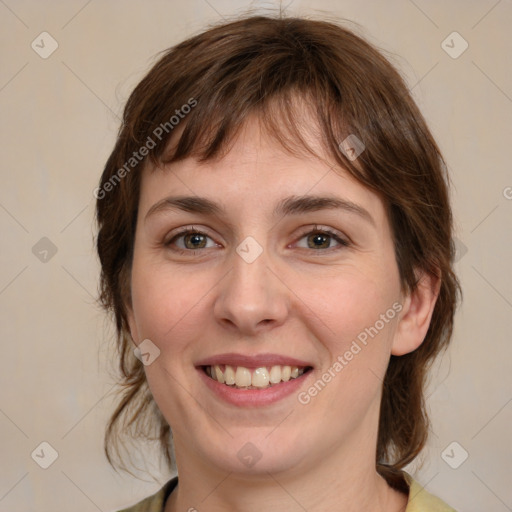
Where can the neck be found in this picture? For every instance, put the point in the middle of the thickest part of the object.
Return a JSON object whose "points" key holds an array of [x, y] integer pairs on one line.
{"points": [[333, 482]]}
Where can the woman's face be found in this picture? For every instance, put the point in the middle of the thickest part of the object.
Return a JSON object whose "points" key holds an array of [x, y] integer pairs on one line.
{"points": [[270, 282]]}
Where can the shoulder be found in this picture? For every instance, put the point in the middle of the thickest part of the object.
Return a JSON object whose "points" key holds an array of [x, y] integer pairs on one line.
{"points": [[155, 502], [421, 500]]}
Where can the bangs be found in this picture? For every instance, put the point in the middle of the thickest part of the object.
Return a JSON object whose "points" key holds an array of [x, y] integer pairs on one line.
{"points": [[290, 118], [293, 82]]}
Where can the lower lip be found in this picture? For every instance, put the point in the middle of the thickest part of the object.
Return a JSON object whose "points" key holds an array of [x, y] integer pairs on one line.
{"points": [[254, 397]]}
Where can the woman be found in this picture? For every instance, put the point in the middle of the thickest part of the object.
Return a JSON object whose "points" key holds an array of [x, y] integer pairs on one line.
{"points": [[275, 238]]}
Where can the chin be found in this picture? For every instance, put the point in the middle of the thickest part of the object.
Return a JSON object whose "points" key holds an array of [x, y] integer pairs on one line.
{"points": [[250, 453]]}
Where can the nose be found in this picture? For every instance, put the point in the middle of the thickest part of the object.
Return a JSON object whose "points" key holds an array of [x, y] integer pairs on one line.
{"points": [[251, 297]]}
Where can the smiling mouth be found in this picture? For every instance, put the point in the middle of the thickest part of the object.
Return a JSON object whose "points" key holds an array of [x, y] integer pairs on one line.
{"points": [[264, 377]]}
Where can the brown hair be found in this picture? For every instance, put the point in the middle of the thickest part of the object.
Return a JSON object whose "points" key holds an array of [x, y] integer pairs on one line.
{"points": [[259, 65]]}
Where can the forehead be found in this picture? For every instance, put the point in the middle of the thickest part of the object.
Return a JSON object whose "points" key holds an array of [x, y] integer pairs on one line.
{"points": [[256, 172]]}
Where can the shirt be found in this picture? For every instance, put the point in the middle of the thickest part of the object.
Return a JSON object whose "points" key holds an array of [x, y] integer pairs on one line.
{"points": [[419, 499]]}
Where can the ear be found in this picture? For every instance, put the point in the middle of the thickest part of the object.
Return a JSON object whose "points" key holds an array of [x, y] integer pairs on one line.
{"points": [[126, 296], [131, 323], [416, 315]]}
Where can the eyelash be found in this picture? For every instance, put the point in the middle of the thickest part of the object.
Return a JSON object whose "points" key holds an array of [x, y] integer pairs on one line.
{"points": [[321, 231]]}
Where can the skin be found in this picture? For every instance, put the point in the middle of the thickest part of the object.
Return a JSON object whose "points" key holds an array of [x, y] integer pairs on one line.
{"points": [[295, 299]]}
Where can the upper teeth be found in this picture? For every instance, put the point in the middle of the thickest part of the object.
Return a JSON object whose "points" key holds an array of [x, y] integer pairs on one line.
{"points": [[242, 377]]}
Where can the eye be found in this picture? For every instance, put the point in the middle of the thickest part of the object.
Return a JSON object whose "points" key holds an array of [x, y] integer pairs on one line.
{"points": [[189, 240], [321, 238]]}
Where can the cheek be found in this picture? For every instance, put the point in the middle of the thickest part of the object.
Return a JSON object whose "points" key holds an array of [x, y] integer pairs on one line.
{"points": [[166, 304], [355, 301], [361, 313]]}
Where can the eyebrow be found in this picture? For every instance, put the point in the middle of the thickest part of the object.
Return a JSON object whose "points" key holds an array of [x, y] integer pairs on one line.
{"points": [[292, 205]]}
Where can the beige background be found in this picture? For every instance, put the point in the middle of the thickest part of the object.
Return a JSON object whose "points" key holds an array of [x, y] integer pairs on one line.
{"points": [[59, 120]]}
